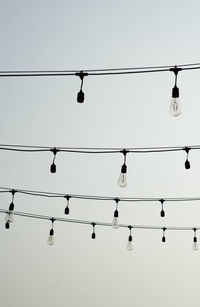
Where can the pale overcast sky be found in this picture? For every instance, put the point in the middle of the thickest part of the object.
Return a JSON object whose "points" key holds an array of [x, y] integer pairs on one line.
{"points": [[122, 111]]}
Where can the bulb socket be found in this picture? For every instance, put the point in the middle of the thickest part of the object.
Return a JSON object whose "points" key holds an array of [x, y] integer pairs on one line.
{"points": [[11, 207], [162, 213], [130, 239], [80, 96], [67, 210], [93, 235], [175, 92], [187, 164], [53, 168], [124, 169], [163, 239], [51, 233], [195, 239], [116, 213]]}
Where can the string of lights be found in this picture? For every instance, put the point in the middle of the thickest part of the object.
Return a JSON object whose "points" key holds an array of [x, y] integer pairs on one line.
{"points": [[68, 197], [175, 106], [51, 236], [122, 182]]}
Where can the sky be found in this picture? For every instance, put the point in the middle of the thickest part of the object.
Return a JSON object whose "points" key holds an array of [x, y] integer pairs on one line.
{"points": [[119, 111]]}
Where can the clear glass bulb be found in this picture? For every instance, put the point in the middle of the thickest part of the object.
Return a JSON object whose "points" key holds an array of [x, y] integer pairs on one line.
{"points": [[9, 217], [50, 240], [175, 107], [195, 246], [130, 246], [115, 223], [122, 182]]}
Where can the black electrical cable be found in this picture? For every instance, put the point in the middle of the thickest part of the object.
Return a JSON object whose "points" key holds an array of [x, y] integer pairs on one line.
{"points": [[93, 150], [45, 217], [95, 197], [105, 71]]}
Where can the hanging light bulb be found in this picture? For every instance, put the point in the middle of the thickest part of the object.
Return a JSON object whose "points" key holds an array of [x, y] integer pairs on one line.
{"points": [[122, 182], [175, 106], [163, 237], [130, 240], [67, 207], [93, 236], [10, 215], [50, 240], [187, 162], [162, 212], [81, 95], [195, 244], [53, 165], [115, 222]]}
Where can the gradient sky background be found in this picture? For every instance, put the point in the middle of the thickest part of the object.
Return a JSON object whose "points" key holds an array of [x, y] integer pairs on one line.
{"points": [[122, 111]]}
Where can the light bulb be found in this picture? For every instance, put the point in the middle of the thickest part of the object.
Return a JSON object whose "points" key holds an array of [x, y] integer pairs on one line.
{"points": [[130, 242], [195, 246], [115, 223], [9, 217], [175, 107], [122, 182], [130, 246], [51, 240]]}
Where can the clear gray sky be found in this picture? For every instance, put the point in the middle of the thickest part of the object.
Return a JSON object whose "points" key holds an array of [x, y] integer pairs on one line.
{"points": [[118, 111]]}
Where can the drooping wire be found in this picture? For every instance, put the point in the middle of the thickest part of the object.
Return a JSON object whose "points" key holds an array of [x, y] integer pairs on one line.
{"points": [[100, 72], [46, 194], [85, 222]]}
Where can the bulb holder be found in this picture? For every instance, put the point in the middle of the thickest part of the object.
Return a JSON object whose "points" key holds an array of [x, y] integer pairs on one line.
{"points": [[80, 96], [130, 239], [175, 92], [116, 213], [93, 235], [11, 207], [162, 213], [124, 169], [51, 233], [195, 239], [187, 164], [67, 210], [163, 239], [53, 168]]}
